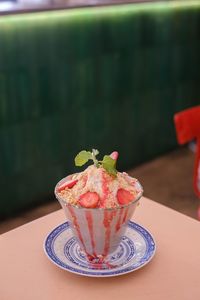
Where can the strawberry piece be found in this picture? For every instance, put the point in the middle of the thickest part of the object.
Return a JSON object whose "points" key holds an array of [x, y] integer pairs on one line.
{"points": [[68, 184], [89, 200], [114, 155], [124, 197]]}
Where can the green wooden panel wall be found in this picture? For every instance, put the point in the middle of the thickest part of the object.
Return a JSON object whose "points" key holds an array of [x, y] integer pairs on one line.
{"points": [[109, 78]]}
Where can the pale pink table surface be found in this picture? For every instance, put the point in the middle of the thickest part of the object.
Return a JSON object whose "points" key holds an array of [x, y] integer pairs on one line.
{"points": [[173, 274]]}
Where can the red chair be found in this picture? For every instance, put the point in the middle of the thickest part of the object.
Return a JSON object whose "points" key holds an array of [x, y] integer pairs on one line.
{"points": [[187, 124]]}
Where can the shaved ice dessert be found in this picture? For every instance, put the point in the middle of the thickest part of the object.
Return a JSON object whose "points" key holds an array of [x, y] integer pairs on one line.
{"points": [[98, 202]]}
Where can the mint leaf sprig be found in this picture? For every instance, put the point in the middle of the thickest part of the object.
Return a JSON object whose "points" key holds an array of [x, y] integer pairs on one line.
{"points": [[83, 157], [108, 163]]}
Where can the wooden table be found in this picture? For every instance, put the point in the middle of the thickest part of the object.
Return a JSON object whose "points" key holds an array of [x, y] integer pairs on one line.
{"points": [[173, 274]]}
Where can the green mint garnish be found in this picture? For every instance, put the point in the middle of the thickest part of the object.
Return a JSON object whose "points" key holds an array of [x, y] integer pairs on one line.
{"points": [[107, 163], [82, 158]]}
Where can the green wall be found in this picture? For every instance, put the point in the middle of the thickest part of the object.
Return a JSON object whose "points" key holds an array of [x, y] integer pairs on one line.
{"points": [[108, 78]]}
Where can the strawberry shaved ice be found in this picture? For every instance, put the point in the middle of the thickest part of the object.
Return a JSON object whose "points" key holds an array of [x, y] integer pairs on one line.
{"points": [[98, 202], [96, 188]]}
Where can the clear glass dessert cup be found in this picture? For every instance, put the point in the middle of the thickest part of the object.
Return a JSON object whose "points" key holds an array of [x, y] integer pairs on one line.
{"points": [[98, 230]]}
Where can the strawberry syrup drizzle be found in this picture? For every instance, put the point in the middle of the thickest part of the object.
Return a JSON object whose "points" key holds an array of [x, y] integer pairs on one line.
{"points": [[105, 190], [108, 216], [119, 223], [85, 178], [94, 260], [99, 262], [125, 215], [100, 265], [75, 222], [91, 231]]}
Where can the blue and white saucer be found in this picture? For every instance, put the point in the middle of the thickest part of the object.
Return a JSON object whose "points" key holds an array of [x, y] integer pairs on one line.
{"points": [[136, 249]]}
